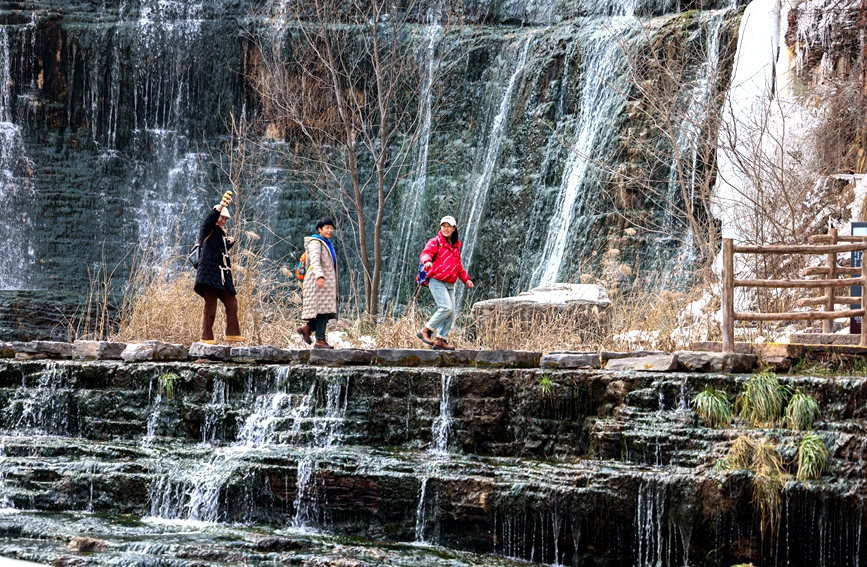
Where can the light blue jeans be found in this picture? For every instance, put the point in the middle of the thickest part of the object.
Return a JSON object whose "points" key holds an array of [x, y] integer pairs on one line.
{"points": [[446, 313]]}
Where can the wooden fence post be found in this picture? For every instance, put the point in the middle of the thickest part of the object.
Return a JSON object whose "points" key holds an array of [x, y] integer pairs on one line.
{"points": [[863, 341], [828, 324], [728, 296]]}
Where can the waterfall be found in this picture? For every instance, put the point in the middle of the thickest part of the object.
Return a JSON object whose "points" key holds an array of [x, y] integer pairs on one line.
{"points": [[602, 99], [649, 514], [419, 511], [327, 430], [169, 33], [278, 417], [747, 108], [42, 408], [409, 231], [479, 195], [685, 161], [16, 192], [441, 429], [153, 418], [215, 411]]}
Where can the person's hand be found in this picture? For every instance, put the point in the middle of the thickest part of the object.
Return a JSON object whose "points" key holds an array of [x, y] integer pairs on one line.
{"points": [[230, 239], [427, 265], [320, 283], [470, 284]]}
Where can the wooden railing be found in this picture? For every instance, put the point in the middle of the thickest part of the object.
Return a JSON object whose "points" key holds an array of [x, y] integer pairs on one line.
{"points": [[830, 248]]}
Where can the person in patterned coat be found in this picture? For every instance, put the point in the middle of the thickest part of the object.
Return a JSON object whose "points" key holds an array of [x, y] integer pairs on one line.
{"points": [[442, 262], [214, 274], [321, 292]]}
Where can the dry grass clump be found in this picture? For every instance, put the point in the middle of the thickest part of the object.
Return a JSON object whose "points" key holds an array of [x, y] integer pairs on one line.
{"points": [[762, 458], [159, 302], [579, 328]]}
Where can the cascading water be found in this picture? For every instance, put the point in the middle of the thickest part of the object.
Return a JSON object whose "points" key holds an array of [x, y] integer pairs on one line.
{"points": [[689, 143], [310, 422], [602, 99], [478, 199], [15, 189], [409, 231], [41, 407], [164, 182], [440, 448]]}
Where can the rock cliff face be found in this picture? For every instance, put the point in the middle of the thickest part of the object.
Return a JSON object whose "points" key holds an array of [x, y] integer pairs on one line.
{"points": [[113, 117], [114, 114], [553, 467]]}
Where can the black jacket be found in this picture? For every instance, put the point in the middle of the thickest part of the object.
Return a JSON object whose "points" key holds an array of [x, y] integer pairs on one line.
{"points": [[215, 267]]}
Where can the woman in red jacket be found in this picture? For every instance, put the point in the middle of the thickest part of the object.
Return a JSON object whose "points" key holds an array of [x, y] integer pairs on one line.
{"points": [[442, 261]]}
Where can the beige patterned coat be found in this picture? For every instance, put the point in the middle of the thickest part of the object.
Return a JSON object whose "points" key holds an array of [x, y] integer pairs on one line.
{"points": [[319, 265]]}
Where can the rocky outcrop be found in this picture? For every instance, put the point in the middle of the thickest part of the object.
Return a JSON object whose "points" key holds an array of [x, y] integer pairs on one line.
{"points": [[580, 309], [465, 458]]}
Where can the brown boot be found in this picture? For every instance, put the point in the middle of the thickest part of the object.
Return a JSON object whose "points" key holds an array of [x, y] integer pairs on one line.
{"points": [[426, 335], [304, 331], [320, 343], [441, 344]]}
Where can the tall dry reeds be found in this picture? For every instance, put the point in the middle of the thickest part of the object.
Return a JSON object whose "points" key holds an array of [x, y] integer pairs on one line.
{"points": [[159, 302]]}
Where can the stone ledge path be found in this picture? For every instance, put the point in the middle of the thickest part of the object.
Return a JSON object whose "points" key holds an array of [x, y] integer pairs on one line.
{"points": [[147, 351]]}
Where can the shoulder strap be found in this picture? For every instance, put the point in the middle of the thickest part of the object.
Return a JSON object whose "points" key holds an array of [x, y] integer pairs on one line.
{"points": [[207, 237]]}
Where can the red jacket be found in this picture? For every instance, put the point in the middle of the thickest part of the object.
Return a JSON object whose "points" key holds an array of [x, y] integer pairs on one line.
{"points": [[447, 266]]}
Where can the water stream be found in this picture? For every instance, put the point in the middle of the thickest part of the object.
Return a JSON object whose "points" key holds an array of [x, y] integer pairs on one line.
{"points": [[602, 99], [478, 198]]}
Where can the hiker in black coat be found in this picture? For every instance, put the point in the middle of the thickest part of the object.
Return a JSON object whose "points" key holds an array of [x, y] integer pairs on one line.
{"points": [[214, 274]]}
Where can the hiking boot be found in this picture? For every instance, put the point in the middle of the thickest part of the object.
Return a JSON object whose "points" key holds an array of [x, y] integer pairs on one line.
{"points": [[235, 339], [441, 344], [320, 343], [208, 341], [426, 336], [304, 331]]}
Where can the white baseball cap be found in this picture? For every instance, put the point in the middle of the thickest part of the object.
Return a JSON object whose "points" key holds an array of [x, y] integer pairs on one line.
{"points": [[225, 212], [449, 219]]}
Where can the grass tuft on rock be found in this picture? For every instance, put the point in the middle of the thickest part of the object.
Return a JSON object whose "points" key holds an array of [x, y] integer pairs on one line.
{"points": [[802, 411], [761, 402], [713, 407], [812, 457]]}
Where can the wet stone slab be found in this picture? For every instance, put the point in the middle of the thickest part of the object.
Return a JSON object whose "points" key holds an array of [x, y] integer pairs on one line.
{"points": [[97, 350], [154, 350], [341, 357], [42, 349], [568, 360], [508, 359], [407, 357], [653, 363], [266, 353], [715, 362]]}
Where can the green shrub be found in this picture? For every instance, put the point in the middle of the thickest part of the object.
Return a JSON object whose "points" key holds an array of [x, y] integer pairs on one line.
{"points": [[812, 457], [167, 384], [546, 385], [713, 407], [761, 402], [802, 411]]}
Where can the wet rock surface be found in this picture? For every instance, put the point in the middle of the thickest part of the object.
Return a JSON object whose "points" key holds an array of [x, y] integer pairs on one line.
{"points": [[649, 363], [98, 350], [480, 460], [153, 350], [568, 360], [212, 352]]}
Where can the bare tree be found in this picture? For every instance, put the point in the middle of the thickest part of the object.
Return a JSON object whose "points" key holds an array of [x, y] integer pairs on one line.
{"points": [[340, 82]]}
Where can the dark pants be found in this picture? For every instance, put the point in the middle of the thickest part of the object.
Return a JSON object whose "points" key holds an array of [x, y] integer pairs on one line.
{"points": [[230, 302], [318, 324]]}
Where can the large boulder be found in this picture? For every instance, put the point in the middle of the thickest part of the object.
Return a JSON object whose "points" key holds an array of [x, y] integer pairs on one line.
{"points": [[575, 308]]}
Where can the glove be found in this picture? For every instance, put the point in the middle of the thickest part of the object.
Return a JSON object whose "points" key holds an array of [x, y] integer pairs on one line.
{"points": [[227, 199]]}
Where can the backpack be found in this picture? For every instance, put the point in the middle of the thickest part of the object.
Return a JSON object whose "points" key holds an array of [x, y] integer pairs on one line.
{"points": [[301, 268]]}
